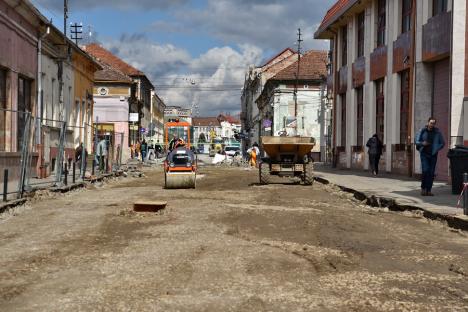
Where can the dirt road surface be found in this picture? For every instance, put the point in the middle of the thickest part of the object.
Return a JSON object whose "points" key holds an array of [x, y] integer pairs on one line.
{"points": [[229, 245]]}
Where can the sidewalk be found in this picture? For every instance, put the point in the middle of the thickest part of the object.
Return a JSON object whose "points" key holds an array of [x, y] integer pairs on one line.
{"points": [[404, 191]]}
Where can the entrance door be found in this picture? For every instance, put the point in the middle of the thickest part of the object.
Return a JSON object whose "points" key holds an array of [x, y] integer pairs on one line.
{"points": [[440, 111]]}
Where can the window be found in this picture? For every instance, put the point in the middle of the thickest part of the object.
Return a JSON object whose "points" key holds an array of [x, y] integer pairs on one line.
{"points": [[344, 46], [24, 105], [404, 107], [2, 110], [360, 34], [406, 10], [438, 7], [343, 120], [380, 109], [360, 115], [381, 22]]}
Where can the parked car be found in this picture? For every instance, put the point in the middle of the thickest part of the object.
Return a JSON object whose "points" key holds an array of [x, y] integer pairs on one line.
{"points": [[232, 150]]}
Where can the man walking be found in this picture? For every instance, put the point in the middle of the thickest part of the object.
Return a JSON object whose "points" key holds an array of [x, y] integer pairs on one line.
{"points": [[429, 141], [375, 151]]}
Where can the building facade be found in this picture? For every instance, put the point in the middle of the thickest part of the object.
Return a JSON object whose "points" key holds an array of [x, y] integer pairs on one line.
{"points": [[21, 27], [142, 89], [395, 63], [255, 80], [280, 111]]}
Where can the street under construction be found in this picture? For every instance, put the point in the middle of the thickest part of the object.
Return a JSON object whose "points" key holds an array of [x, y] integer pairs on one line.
{"points": [[231, 244]]}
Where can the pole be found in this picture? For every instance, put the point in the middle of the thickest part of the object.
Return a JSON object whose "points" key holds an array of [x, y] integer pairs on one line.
{"points": [[5, 184], [299, 40], [65, 16], [65, 177], [465, 194], [73, 171]]}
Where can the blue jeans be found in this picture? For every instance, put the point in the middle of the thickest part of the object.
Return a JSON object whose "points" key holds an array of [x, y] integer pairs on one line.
{"points": [[428, 166]]}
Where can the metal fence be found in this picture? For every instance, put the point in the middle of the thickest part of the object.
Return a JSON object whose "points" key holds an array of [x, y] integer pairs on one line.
{"points": [[47, 152]]}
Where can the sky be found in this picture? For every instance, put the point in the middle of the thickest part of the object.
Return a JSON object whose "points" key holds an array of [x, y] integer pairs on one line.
{"points": [[196, 53]]}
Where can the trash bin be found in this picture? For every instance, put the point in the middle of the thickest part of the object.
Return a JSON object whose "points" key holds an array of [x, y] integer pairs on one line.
{"points": [[458, 165]]}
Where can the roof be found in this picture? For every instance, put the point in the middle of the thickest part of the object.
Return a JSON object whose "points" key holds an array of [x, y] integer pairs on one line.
{"points": [[338, 9], [229, 118], [106, 57], [312, 67], [205, 122], [277, 55], [111, 74]]}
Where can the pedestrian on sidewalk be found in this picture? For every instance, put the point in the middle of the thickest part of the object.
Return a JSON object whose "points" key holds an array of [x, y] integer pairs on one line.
{"points": [[102, 154], [375, 151], [429, 141], [144, 150]]}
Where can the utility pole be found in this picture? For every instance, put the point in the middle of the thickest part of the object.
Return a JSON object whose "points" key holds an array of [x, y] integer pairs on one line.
{"points": [[299, 40], [65, 16], [76, 32]]}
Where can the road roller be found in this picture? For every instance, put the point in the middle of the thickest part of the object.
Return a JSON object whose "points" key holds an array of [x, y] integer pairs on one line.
{"points": [[180, 169]]}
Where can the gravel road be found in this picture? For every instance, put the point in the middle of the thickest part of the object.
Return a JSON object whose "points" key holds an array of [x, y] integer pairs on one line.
{"points": [[229, 245]]}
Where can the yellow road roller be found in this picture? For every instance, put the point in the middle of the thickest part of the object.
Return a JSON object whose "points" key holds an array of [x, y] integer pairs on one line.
{"points": [[180, 169]]}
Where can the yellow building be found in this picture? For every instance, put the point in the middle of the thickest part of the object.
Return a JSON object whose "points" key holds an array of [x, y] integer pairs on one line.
{"points": [[81, 112]]}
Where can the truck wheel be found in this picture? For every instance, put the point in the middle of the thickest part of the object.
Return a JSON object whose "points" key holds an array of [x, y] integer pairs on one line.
{"points": [[309, 173], [264, 170]]}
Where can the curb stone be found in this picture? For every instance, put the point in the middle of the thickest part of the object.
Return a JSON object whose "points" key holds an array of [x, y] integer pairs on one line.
{"points": [[458, 222], [63, 189]]}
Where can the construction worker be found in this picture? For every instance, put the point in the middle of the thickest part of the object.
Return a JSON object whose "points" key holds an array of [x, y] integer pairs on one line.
{"points": [[173, 143], [180, 143]]}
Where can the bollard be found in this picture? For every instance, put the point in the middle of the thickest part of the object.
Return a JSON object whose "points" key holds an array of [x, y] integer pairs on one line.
{"points": [[5, 185], [65, 172], [94, 165], [465, 194], [73, 170]]}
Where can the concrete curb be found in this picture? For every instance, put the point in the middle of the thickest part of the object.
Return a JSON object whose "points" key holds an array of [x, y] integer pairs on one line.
{"points": [[11, 204], [453, 221], [62, 189]]}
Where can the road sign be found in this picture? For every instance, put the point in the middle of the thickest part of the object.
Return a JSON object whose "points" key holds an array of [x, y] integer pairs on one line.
{"points": [[133, 117]]}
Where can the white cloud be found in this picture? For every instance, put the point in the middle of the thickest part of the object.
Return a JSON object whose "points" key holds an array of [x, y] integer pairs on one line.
{"points": [[213, 80], [271, 25], [57, 5]]}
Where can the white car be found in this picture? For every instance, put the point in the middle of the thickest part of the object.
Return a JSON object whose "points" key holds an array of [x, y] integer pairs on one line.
{"points": [[232, 150]]}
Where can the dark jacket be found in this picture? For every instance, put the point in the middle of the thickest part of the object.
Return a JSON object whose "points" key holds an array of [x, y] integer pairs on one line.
{"points": [[375, 146], [438, 142]]}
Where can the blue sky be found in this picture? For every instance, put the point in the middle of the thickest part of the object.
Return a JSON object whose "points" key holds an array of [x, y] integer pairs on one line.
{"points": [[195, 45]]}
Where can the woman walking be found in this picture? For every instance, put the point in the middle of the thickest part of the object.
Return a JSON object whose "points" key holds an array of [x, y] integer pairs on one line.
{"points": [[375, 151]]}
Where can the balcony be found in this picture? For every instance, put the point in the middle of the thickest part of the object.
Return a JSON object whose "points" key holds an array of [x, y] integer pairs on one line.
{"points": [[436, 37], [342, 79], [359, 72], [378, 63], [401, 52]]}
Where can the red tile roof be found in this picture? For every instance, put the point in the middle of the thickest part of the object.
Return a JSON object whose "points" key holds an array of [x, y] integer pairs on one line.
{"points": [[106, 57], [338, 9], [111, 74], [312, 67], [228, 118], [277, 55], [205, 122]]}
